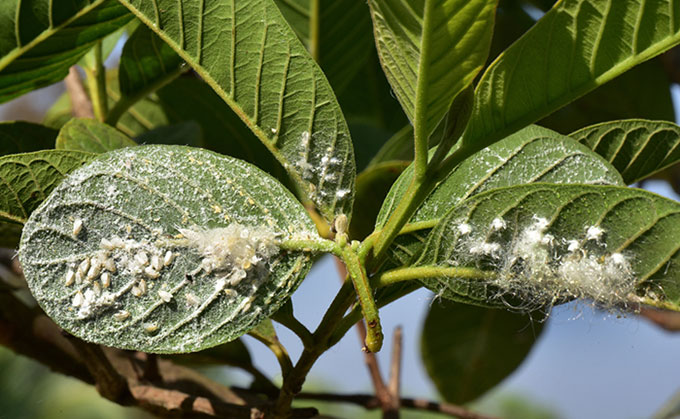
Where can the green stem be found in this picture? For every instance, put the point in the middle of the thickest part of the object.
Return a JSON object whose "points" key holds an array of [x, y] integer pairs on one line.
{"points": [[279, 352], [296, 327], [357, 273], [292, 382], [96, 80], [126, 102], [314, 29], [311, 245]]}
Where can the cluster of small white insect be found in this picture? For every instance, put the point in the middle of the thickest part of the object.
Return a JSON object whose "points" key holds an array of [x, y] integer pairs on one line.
{"points": [[94, 274], [232, 251], [540, 269], [321, 173]]}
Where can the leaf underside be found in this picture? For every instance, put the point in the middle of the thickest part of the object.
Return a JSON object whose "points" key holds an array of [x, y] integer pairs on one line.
{"points": [[28, 178], [534, 154], [637, 148], [139, 197], [259, 67], [575, 47], [39, 41], [598, 221]]}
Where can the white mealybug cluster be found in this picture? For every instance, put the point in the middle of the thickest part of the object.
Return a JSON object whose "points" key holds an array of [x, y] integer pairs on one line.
{"points": [[319, 167], [539, 269], [120, 263], [232, 251]]}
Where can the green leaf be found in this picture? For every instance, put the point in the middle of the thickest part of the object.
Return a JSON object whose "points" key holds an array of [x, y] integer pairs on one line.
{"points": [[398, 147], [637, 148], [337, 34], [183, 133], [373, 184], [260, 68], [145, 61], [39, 42], [534, 154], [643, 92], [27, 179], [85, 134], [535, 245], [488, 345], [182, 243], [22, 137], [431, 50], [577, 46]]}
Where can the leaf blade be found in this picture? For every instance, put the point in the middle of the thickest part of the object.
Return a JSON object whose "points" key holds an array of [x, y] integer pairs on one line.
{"points": [[146, 196], [593, 221], [27, 179], [431, 51], [637, 148], [311, 128], [519, 88], [84, 134], [39, 43]]}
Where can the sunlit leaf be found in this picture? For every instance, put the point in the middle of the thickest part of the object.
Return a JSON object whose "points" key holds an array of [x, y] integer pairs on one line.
{"points": [[575, 47], [39, 41], [535, 245], [260, 68], [164, 249]]}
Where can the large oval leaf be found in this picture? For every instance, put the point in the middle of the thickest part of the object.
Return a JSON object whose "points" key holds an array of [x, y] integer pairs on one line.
{"points": [[260, 68], [534, 154], [577, 46], [636, 147], [540, 244], [40, 40], [486, 347], [27, 179], [164, 249], [431, 50]]}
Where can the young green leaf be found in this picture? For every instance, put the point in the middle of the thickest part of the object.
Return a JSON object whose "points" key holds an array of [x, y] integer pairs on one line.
{"points": [[534, 154], [22, 137], [146, 61], [487, 346], [431, 50], [29, 178], [260, 68], [85, 134], [39, 40], [536, 245], [164, 249], [577, 46], [636, 147]]}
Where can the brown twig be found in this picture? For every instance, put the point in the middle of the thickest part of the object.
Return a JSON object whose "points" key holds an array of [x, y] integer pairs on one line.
{"points": [[394, 384], [108, 382], [81, 104], [668, 320], [371, 402]]}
